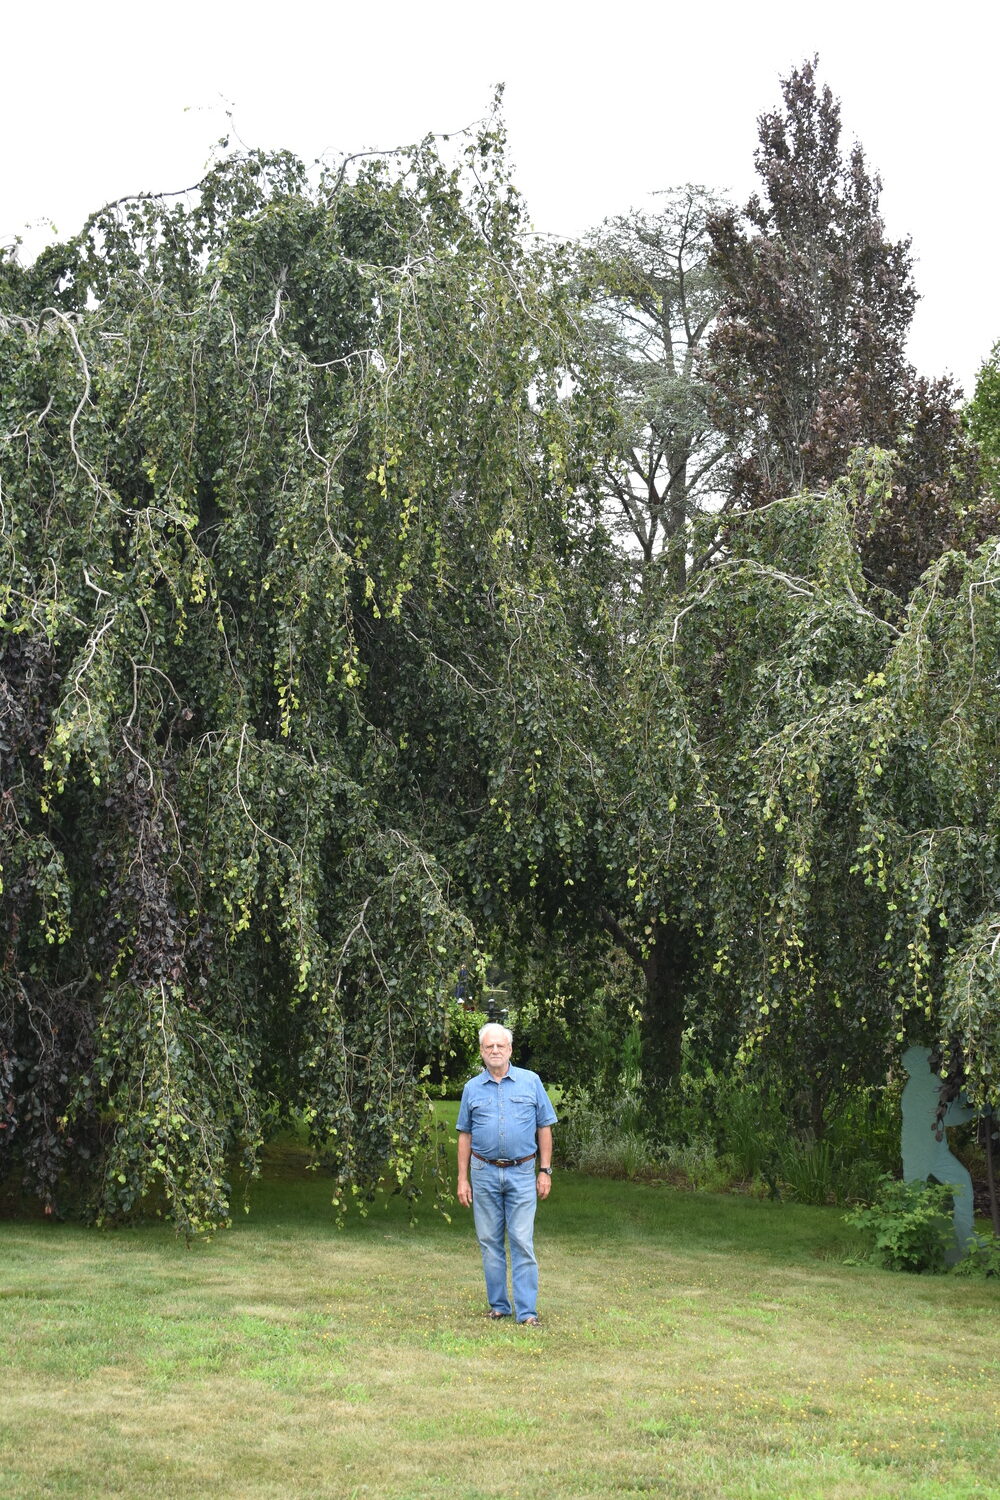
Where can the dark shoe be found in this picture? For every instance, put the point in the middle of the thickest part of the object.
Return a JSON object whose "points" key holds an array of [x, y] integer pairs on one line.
{"points": [[495, 1316], [531, 1322]]}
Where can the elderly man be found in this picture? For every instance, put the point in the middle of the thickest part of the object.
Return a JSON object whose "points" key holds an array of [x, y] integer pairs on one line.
{"points": [[504, 1118]]}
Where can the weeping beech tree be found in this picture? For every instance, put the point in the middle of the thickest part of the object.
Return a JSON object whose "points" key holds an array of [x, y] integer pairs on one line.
{"points": [[284, 463], [857, 902], [776, 794]]}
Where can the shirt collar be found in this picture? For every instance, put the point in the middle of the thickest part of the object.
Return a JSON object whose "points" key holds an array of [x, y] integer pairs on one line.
{"points": [[487, 1076]]}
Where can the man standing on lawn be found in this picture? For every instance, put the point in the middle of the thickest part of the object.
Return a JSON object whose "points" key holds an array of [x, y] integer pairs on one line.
{"points": [[504, 1117]]}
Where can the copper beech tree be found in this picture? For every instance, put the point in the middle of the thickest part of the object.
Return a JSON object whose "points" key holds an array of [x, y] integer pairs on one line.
{"points": [[807, 360]]}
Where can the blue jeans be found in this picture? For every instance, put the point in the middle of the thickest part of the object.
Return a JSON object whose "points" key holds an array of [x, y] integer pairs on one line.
{"points": [[503, 1202]]}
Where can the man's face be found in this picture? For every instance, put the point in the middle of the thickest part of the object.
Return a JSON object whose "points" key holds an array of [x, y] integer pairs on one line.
{"points": [[495, 1049]]}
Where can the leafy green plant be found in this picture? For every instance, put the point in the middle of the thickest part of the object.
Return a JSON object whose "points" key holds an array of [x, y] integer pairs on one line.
{"points": [[459, 1058], [748, 1121], [981, 1258], [756, 1140], [909, 1225]]}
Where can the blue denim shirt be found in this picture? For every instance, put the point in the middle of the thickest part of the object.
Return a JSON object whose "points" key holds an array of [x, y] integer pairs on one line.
{"points": [[503, 1117]]}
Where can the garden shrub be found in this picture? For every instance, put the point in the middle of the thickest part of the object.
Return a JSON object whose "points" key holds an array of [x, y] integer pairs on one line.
{"points": [[909, 1225], [459, 1059], [700, 1163], [726, 1130], [981, 1258], [604, 1139]]}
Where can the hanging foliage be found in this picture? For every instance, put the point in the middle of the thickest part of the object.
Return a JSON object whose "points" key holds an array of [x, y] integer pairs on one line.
{"points": [[858, 895], [281, 458]]}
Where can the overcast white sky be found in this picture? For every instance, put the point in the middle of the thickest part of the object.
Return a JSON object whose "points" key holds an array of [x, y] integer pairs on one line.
{"points": [[604, 105]]}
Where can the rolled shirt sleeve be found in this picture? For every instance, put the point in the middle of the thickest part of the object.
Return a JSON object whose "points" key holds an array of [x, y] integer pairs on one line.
{"points": [[545, 1114]]}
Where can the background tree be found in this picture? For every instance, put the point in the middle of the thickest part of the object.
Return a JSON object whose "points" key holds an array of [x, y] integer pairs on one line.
{"points": [[653, 303], [983, 417], [809, 350], [808, 355]]}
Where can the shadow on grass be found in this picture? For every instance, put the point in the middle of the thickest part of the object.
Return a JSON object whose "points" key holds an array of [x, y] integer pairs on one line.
{"points": [[582, 1210], [294, 1194]]}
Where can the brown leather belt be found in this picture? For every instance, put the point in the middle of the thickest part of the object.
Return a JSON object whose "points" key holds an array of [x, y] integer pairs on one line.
{"points": [[519, 1162]]}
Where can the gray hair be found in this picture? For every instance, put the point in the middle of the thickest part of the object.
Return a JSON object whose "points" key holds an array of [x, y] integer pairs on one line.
{"points": [[495, 1026]]}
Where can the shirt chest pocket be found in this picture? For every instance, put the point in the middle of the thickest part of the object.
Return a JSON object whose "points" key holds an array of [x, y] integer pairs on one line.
{"points": [[522, 1109], [483, 1111]]}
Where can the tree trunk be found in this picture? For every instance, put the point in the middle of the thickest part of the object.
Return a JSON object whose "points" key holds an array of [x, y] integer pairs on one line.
{"points": [[666, 971], [991, 1175]]}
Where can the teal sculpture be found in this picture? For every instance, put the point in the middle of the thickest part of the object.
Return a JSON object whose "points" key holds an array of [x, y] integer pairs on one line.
{"points": [[926, 1152]]}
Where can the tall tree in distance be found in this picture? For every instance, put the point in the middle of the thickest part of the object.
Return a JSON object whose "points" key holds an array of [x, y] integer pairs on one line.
{"points": [[809, 350], [983, 419], [808, 356], [654, 300]]}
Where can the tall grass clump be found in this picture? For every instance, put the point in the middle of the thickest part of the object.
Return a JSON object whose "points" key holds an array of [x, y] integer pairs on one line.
{"points": [[604, 1137]]}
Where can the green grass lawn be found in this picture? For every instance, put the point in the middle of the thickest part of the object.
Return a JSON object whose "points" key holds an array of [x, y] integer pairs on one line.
{"points": [[693, 1346]]}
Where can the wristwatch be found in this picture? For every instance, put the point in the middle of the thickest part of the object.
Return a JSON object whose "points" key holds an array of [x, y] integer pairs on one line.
{"points": [[546, 1170]]}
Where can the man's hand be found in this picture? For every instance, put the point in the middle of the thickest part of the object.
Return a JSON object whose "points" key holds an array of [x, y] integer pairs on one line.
{"points": [[465, 1192], [543, 1184]]}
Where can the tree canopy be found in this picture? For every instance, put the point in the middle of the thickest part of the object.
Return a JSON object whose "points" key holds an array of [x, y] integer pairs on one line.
{"points": [[286, 471], [324, 675], [653, 302]]}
